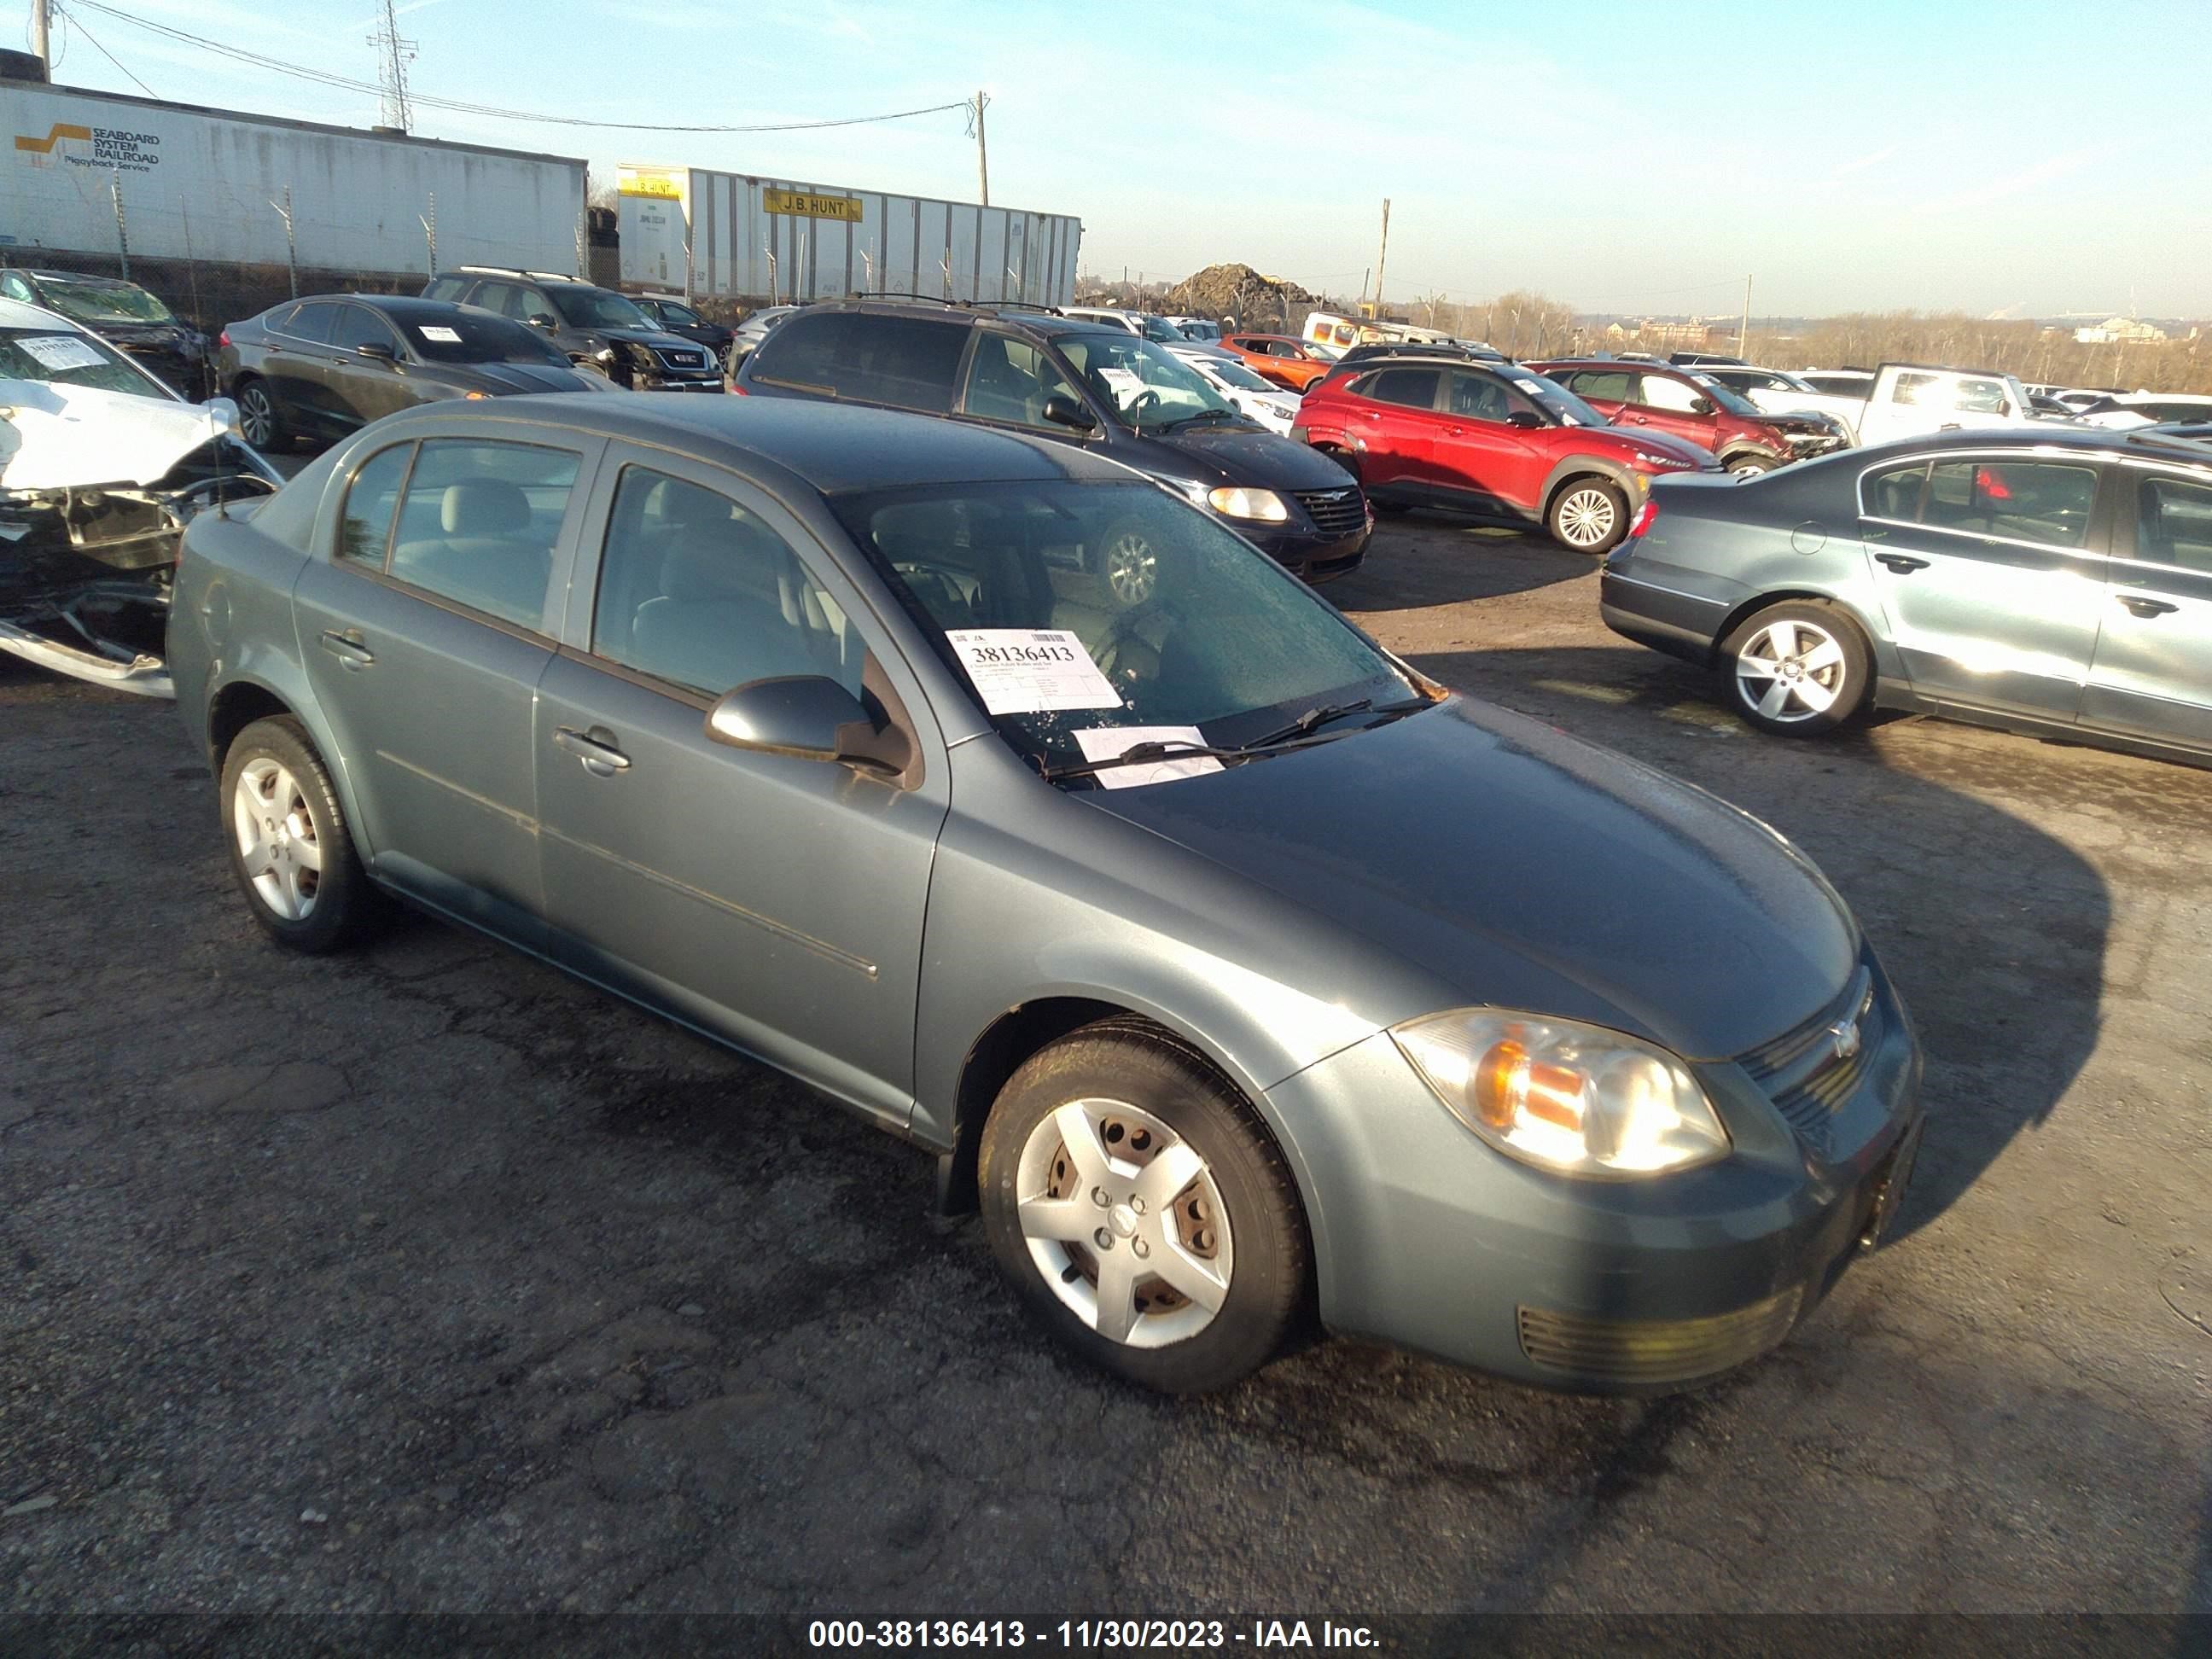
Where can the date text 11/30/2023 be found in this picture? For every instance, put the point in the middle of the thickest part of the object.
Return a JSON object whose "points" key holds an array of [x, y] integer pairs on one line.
{"points": [[1089, 1635]]}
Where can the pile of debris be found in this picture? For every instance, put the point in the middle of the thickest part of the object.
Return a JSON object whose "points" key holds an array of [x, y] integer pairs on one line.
{"points": [[1238, 293]]}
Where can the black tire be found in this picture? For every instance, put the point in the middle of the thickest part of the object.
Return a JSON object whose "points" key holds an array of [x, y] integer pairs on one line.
{"points": [[259, 411], [1588, 514], [1843, 680], [1748, 466], [1138, 1066], [344, 907]]}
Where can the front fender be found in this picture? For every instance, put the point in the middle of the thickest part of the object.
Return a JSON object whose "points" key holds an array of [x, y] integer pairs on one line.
{"points": [[1631, 482]]}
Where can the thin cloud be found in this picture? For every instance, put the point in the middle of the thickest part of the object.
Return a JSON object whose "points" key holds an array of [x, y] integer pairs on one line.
{"points": [[2048, 170], [1842, 168]]}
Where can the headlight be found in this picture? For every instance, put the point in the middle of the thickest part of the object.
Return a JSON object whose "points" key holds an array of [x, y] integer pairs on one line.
{"points": [[1656, 463], [1264, 505], [1577, 1098]]}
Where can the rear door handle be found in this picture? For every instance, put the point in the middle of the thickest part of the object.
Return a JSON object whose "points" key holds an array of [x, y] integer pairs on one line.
{"points": [[348, 647], [1903, 563], [2145, 607], [596, 748]]}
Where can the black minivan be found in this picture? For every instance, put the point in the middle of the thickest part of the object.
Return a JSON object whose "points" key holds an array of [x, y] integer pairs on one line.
{"points": [[1103, 388]]}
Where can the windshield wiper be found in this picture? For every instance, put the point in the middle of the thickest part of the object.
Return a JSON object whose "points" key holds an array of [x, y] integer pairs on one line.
{"points": [[1203, 415], [1142, 754], [1314, 717]]}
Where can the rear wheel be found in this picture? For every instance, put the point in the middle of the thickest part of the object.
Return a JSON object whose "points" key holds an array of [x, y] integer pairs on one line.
{"points": [[289, 847], [260, 422], [1588, 515], [1142, 1211], [1797, 669]]}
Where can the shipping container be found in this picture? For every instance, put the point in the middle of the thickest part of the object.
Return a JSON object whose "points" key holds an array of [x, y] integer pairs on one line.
{"points": [[98, 173], [759, 240]]}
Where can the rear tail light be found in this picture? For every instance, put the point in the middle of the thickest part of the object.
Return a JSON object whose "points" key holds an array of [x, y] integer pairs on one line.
{"points": [[223, 337], [739, 391], [1642, 521]]}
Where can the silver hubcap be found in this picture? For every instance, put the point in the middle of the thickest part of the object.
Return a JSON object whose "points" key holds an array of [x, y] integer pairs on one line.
{"points": [[1587, 518], [1123, 1219], [1131, 568], [256, 415], [1790, 671], [277, 842], [1747, 469]]}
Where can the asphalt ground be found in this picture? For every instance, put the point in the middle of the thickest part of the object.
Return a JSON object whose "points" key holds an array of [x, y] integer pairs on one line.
{"points": [[426, 1279]]}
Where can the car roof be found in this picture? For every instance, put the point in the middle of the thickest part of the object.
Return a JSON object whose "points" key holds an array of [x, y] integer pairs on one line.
{"points": [[20, 313], [2054, 438], [831, 447], [398, 305], [40, 274]]}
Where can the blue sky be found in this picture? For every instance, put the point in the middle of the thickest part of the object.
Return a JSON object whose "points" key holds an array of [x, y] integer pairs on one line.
{"points": [[1952, 154]]}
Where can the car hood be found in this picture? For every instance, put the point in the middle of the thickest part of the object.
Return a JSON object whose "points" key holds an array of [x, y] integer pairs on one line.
{"points": [[1245, 455], [1655, 442], [659, 339], [55, 436], [511, 377], [1526, 869]]}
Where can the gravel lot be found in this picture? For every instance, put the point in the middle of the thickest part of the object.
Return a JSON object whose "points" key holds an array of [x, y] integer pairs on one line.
{"points": [[426, 1279]]}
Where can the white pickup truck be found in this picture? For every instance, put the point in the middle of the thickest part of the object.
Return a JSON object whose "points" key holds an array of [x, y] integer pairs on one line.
{"points": [[1904, 400]]}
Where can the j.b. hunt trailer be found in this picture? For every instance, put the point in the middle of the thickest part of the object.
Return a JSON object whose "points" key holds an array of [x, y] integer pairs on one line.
{"points": [[769, 239]]}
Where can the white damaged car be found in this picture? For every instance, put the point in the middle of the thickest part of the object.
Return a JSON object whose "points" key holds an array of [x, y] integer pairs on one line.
{"points": [[101, 466]]}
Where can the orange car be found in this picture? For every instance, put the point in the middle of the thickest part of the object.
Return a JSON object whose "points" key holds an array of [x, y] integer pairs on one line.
{"points": [[1286, 361]]}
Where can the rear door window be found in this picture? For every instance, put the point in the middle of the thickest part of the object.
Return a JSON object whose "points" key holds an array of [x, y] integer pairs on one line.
{"points": [[1415, 388], [2041, 502], [314, 321], [372, 502], [478, 524], [1612, 385], [910, 362]]}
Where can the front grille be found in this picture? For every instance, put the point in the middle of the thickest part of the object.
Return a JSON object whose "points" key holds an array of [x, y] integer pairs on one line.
{"points": [[685, 359], [1656, 1351], [1335, 511], [1805, 1071]]}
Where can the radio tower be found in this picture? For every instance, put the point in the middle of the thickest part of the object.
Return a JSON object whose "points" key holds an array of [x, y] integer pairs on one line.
{"points": [[394, 53]]}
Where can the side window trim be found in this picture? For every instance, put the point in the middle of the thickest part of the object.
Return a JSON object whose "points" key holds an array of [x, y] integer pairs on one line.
{"points": [[383, 566]]}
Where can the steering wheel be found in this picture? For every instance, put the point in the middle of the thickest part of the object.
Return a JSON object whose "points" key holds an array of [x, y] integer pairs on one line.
{"points": [[1143, 400]]}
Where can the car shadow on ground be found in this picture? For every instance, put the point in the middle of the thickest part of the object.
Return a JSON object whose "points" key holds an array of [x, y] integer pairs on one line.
{"points": [[1475, 561], [1994, 931]]}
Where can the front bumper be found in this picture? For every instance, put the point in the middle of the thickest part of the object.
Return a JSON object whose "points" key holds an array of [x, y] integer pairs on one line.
{"points": [[1315, 555], [674, 382], [1425, 1238]]}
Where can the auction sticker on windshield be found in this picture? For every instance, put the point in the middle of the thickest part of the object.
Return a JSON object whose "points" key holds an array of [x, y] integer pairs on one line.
{"points": [[60, 351], [1022, 671], [439, 331]]}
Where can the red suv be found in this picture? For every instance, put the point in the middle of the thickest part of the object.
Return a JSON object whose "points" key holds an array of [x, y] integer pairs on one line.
{"points": [[1494, 439], [1691, 405]]}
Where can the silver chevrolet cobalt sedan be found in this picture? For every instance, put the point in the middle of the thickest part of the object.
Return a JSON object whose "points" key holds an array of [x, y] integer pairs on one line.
{"points": [[1235, 971]]}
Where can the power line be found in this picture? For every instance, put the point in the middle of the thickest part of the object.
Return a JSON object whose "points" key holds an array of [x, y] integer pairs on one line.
{"points": [[78, 24], [327, 78]]}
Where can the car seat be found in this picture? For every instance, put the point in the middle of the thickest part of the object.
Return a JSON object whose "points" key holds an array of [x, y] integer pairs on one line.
{"points": [[486, 554]]}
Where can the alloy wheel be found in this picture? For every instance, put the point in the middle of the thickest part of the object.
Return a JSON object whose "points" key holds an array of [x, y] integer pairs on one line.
{"points": [[257, 416], [1790, 670], [1131, 567], [278, 846], [1125, 1223], [1587, 518]]}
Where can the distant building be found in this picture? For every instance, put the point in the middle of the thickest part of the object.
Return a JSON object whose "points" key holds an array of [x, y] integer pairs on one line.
{"points": [[1650, 331], [2114, 330]]}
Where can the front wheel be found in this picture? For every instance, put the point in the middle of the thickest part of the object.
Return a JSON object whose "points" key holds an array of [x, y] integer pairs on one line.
{"points": [[1588, 515], [291, 848], [1749, 466], [1798, 669], [1142, 1211]]}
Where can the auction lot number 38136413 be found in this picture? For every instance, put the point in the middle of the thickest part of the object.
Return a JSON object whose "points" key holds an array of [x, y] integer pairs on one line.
{"points": [[1086, 1635]]}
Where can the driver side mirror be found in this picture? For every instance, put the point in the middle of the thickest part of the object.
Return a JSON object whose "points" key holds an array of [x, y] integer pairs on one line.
{"points": [[224, 413], [543, 320], [808, 717], [380, 349], [1061, 410], [1525, 420], [1701, 405]]}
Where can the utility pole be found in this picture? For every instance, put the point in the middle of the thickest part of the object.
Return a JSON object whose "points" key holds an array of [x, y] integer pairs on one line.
{"points": [[1383, 258], [395, 52], [122, 234], [1743, 332], [982, 152], [430, 224], [40, 23], [291, 243]]}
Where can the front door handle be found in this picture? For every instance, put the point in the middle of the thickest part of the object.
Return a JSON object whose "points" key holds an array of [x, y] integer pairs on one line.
{"points": [[595, 748], [348, 647], [2145, 607], [1903, 563]]}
